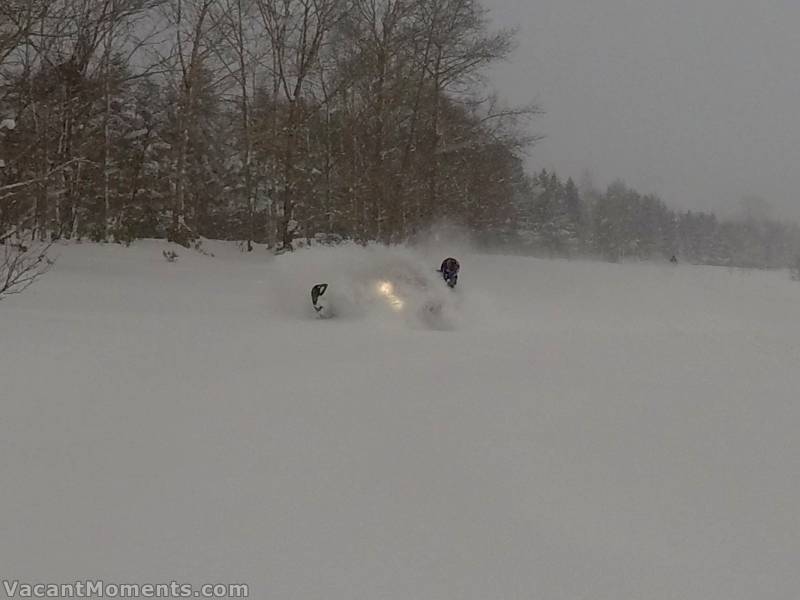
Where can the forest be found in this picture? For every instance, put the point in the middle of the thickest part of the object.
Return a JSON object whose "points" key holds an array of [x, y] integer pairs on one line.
{"points": [[295, 122]]}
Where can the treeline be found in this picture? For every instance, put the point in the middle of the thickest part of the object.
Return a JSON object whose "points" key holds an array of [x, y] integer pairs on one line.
{"points": [[257, 120], [556, 218], [281, 121]]}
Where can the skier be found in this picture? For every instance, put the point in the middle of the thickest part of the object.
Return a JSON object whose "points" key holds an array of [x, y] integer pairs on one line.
{"points": [[449, 271]]}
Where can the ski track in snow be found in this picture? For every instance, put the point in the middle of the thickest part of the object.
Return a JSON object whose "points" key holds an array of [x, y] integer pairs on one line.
{"points": [[579, 430]]}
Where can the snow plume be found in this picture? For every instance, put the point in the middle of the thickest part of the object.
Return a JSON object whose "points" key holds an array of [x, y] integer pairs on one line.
{"points": [[393, 285], [446, 239]]}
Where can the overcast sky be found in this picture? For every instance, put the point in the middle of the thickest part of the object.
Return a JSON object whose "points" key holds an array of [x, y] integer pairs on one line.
{"points": [[696, 100]]}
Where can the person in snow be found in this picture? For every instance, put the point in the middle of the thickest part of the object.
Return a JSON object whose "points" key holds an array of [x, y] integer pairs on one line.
{"points": [[449, 271]]}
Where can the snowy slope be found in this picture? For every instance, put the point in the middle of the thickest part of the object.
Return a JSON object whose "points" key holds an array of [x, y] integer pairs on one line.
{"points": [[579, 430]]}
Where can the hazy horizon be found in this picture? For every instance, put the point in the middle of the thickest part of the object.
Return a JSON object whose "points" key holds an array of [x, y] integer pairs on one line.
{"points": [[693, 100]]}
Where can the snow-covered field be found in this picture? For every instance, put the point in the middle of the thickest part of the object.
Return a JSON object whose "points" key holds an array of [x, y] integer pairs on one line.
{"points": [[576, 430]]}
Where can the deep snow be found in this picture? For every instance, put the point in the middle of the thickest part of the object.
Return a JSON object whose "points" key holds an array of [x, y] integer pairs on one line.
{"points": [[577, 430]]}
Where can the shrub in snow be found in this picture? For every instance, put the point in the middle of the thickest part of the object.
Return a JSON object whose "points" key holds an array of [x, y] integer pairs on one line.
{"points": [[170, 255], [20, 266]]}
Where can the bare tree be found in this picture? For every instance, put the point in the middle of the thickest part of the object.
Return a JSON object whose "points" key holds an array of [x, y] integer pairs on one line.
{"points": [[297, 31], [195, 34], [241, 55], [460, 46], [17, 21]]}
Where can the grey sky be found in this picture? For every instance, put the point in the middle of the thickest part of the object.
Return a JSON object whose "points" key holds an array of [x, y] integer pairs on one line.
{"points": [[696, 100]]}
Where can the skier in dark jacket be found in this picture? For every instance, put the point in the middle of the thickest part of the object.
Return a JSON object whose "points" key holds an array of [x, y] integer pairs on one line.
{"points": [[449, 271]]}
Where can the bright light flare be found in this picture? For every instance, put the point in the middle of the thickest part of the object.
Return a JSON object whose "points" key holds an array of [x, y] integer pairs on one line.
{"points": [[386, 289]]}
